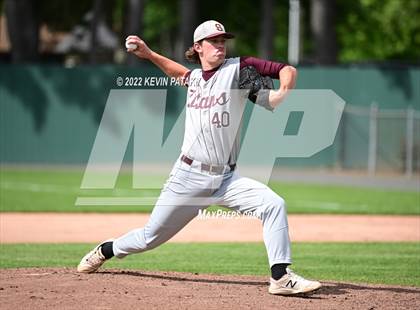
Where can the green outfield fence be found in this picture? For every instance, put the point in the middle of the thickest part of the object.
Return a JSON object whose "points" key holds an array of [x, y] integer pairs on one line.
{"points": [[50, 114]]}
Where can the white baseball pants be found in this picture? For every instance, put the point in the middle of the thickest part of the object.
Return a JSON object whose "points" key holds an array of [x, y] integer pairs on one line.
{"points": [[189, 189]]}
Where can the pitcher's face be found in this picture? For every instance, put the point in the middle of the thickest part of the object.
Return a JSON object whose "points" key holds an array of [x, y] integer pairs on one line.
{"points": [[212, 51]]}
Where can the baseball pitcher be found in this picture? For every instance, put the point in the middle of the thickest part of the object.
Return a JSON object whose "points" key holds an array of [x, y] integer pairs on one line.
{"points": [[206, 168]]}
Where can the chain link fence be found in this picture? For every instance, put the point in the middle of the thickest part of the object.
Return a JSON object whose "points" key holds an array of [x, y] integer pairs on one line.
{"points": [[376, 139]]}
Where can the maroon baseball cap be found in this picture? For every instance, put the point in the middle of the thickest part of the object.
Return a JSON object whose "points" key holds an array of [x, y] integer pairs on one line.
{"points": [[211, 29]]}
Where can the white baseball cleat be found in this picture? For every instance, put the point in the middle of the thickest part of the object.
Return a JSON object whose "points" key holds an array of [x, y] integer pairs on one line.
{"points": [[92, 260], [291, 284]]}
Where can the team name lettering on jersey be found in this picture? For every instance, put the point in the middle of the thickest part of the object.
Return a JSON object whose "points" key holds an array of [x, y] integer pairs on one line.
{"points": [[213, 115], [205, 102]]}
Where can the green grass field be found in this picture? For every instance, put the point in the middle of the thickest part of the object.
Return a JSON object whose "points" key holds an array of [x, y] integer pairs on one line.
{"points": [[57, 191], [384, 263]]}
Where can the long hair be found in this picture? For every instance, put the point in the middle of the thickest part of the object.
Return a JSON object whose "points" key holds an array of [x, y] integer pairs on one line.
{"points": [[192, 56]]}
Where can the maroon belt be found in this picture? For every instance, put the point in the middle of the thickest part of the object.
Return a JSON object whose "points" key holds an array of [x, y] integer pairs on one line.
{"points": [[209, 168]]}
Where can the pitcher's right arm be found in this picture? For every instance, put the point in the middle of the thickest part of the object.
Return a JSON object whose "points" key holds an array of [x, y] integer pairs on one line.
{"points": [[168, 66]]}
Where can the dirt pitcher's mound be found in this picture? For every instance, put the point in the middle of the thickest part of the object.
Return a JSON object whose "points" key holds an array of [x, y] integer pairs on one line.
{"points": [[53, 288]]}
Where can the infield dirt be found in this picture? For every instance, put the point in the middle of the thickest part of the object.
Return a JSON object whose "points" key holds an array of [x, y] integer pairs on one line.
{"points": [[63, 288], [53, 288], [94, 228]]}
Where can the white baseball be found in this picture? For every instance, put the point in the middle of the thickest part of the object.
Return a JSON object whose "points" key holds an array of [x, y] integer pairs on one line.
{"points": [[130, 45]]}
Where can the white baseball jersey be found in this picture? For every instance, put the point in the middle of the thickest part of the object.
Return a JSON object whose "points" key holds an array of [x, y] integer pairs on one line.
{"points": [[214, 110]]}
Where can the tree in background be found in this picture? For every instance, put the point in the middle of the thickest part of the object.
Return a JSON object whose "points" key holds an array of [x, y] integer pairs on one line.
{"points": [[379, 30], [323, 21], [161, 18], [267, 29], [188, 10], [23, 24], [134, 22], [332, 30]]}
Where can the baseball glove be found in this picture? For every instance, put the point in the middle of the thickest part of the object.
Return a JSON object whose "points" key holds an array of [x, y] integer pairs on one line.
{"points": [[250, 79]]}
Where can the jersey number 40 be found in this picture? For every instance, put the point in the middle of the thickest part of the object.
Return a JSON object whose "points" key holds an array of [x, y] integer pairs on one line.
{"points": [[221, 121]]}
